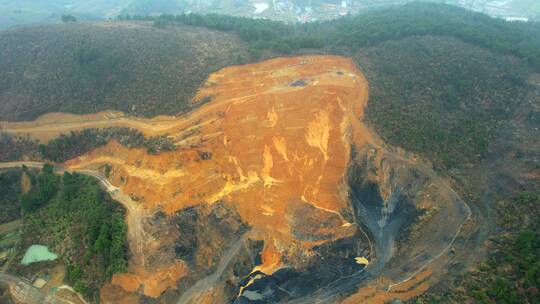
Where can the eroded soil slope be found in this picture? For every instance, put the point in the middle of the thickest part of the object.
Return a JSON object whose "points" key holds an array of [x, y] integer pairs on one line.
{"points": [[274, 143], [275, 183]]}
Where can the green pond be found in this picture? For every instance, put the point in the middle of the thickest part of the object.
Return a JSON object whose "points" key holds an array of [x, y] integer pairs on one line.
{"points": [[38, 253]]}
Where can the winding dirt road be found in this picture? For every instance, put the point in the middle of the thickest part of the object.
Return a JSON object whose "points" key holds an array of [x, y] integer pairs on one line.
{"points": [[207, 283], [50, 126]]}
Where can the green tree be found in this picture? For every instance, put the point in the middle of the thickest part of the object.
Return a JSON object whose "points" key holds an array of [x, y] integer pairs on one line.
{"points": [[48, 169], [103, 242]]}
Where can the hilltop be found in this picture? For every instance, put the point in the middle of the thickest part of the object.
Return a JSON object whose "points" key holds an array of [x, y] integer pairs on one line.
{"points": [[154, 66], [273, 174]]}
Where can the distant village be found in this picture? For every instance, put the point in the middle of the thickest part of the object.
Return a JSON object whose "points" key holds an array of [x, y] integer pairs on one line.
{"points": [[303, 13], [309, 11], [495, 8]]}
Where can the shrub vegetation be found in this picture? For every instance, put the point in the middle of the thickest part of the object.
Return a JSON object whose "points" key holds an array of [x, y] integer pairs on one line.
{"points": [[77, 143], [511, 272]]}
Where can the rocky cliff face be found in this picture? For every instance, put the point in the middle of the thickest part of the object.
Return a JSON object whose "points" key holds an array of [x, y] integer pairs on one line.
{"points": [[412, 216], [277, 191]]}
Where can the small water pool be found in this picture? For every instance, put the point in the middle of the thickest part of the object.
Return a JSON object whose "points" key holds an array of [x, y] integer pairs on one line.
{"points": [[38, 253]]}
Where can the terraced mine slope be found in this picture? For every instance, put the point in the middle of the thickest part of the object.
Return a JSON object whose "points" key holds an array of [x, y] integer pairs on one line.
{"points": [[277, 191]]}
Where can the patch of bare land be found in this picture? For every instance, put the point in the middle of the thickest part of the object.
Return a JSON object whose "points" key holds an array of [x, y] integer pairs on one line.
{"points": [[282, 144]]}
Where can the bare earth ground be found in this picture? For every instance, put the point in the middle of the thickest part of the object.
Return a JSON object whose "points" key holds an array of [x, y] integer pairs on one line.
{"points": [[275, 138]]}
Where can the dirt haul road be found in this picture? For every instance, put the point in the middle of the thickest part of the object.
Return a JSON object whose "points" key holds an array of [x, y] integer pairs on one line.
{"points": [[207, 283], [275, 141]]}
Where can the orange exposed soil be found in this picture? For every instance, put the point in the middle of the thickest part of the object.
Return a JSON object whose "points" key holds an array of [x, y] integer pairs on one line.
{"points": [[375, 293], [262, 143], [270, 259], [154, 282]]}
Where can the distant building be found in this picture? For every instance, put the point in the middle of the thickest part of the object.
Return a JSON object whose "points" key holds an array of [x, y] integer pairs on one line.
{"points": [[516, 19]]}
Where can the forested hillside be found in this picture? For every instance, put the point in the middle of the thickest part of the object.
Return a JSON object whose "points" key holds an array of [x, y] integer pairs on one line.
{"points": [[459, 88], [442, 97], [86, 67], [373, 27]]}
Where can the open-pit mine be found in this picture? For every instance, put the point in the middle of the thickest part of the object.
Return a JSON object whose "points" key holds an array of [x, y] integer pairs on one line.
{"points": [[277, 191]]}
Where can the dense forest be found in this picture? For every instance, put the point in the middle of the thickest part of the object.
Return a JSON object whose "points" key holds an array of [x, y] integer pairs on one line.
{"points": [[72, 215], [373, 27], [10, 190]]}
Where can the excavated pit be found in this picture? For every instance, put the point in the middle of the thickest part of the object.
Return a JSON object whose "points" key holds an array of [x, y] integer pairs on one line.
{"points": [[275, 192]]}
